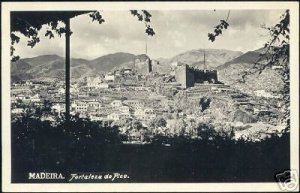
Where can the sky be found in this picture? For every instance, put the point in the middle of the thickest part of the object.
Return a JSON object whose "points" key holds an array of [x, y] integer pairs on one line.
{"points": [[177, 31]]}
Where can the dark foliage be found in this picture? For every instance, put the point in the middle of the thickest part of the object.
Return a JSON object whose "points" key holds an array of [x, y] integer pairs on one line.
{"points": [[219, 28], [221, 159], [204, 103], [145, 17], [38, 145], [96, 16], [84, 146]]}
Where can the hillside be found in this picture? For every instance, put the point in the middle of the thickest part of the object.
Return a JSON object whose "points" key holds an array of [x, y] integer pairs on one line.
{"points": [[43, 59], [46, 66], [53, 66], [232, 71], [108, 62], [19, 70], [248, 58]]}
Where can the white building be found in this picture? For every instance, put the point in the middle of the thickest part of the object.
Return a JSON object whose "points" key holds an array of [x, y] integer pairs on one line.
{"points": [[149, 111], [103, 85], [93, 82], [94, 105], [96, 118], [80, 107], [20, 97], [127, 71], [116, 103], [144, 114], [61, 91], [124, 109], [109, 77], [139, 113], [263, 93], [276, 67], [86, 106], [17, 111], [113, 116], [134, 103], [35, 98], [59, 108], [117, 73]]}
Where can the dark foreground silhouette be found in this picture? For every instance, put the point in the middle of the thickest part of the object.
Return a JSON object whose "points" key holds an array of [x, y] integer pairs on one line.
{"points": [[84, 146]]}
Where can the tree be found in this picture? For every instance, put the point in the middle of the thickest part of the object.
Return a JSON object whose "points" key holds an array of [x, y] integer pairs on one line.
{"points": [[276, 53], [157, 124], [191, 127], [219, 28], [158, 121], [135, 129], [204, 103], [30, 23], [206, 131], [178, 128]]}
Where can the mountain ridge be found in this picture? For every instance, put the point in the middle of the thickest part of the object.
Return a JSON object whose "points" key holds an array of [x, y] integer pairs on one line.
{"points": [[230, 66], [195, 57], [52, 66]]}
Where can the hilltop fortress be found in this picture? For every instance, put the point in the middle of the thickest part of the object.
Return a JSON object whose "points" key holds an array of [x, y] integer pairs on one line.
{"points": [[187, 76], [184, 75]]}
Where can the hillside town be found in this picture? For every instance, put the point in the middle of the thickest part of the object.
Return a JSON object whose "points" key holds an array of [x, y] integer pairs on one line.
{"points": [[156, 103], [111, 94]]}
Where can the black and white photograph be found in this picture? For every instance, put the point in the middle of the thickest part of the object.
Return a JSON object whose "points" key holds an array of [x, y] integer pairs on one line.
{"points": [[150, 96]]}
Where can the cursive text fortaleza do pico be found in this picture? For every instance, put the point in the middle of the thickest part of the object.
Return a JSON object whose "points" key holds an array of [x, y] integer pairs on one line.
{"points": [[90, 176]]}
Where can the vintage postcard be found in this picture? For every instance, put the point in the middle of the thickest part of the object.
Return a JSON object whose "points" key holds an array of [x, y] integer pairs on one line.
{"points": [[150, 96]]}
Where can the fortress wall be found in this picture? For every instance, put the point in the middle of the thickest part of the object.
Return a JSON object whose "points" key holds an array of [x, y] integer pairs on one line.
{"points": [[187, 76], [190, 77], [205, 75], [144, 67]]}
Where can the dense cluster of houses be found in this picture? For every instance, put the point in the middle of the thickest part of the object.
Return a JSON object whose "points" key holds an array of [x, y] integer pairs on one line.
{"points": [[114, 111], [106, 98]]}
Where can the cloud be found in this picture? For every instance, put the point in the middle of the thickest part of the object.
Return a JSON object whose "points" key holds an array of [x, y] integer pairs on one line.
{"points": [[176, 31], [46, 46]]}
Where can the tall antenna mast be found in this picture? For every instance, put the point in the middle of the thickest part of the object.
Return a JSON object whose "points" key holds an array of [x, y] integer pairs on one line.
{"points": [[204, 60], [146, 45]]}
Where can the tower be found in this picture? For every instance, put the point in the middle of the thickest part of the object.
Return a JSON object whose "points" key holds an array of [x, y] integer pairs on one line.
{"points": [[185, 76], [146, 45], [204, 66]]}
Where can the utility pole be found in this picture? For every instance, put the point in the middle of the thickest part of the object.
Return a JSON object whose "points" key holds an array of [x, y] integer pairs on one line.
{"points": [[68, 34], [146, 44], [205, 68]]}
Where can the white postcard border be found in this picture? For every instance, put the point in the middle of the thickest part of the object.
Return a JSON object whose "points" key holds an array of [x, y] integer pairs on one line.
{"points": [[143, 187]]}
